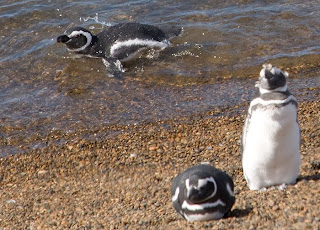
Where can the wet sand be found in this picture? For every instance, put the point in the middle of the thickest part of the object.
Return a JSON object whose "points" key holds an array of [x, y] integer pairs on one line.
{"points": [[123, 181]]}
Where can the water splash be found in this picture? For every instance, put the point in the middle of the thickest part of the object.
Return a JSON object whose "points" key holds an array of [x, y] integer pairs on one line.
{"points": [[95, 19], [113, 67]]}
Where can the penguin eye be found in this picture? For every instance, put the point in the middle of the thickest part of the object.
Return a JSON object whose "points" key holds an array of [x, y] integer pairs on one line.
{"points": [[77, 36]]}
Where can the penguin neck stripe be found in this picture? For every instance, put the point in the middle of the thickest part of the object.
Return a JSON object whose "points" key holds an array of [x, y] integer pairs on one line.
{"points": [[207, 216], [260, 101], [279, 89], [197, 207], [86, 34], [136, 42]]}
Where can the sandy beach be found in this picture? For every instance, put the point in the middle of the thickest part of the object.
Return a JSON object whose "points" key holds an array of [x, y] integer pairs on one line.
{"points": [[123, 181], [82, 147]]}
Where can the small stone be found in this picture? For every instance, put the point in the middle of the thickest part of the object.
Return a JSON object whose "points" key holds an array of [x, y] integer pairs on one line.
{"points": [[275, 208], [271, 203], [153, 148], [42, 172], [11, 201]]}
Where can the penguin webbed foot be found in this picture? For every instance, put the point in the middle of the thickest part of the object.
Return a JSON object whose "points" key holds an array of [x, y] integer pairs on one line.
{"points": [[282, 186], [274, 187], [227, 214]]}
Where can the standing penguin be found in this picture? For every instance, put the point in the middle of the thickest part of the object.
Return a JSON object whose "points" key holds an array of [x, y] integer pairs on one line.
{"points": [[271, 134], [202, 192]]}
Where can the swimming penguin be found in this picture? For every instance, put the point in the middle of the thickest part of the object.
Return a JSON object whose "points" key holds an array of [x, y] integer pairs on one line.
{"points": [[271, 133], [121, 42], [202, 193]]}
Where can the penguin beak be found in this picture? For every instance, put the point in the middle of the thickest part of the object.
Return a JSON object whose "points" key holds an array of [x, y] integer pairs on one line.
{"points": [[63, 39]]}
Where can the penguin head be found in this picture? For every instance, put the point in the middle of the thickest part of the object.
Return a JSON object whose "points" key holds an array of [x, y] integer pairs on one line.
{"points": [[76, 39], [272, 78], [200, 189]]}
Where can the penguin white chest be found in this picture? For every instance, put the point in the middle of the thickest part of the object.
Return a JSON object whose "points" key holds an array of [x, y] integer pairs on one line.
{"points": [[271, 146]]}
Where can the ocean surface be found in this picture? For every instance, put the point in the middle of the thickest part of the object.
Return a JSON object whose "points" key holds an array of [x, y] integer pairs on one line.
{"points": [[46, 91]]}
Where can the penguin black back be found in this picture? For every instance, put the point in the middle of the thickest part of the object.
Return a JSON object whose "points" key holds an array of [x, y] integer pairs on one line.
{"points": [[202, 192], [129, 31]]}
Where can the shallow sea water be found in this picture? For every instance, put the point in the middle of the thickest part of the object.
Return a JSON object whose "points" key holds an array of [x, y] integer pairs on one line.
{"points": [[214, 63]]}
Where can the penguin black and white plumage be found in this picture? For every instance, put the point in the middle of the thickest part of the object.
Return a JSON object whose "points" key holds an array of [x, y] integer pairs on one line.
{"points": [[122, 42], [271, 134], [202, 193]]}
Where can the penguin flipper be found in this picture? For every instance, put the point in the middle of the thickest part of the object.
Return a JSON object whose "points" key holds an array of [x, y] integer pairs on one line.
{"points": [[128, 53]]}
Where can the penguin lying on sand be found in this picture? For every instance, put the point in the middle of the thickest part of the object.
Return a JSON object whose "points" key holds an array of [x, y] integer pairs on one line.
{"points": [[121, 42], [271, 134], [202, 193]]}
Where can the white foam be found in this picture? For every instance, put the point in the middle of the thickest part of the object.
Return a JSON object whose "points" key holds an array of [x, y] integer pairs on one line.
{"points": [[95, 19], [116, 64], [106, 63], [119, 66]]}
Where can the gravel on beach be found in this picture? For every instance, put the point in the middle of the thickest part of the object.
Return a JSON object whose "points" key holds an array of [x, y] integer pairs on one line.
{"points": [[122, 182]]}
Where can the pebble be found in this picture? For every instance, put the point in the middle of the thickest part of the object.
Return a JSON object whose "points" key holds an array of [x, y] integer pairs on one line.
{"points": [[153, 148], [136, 195], [11, 201], [42, 172]]}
